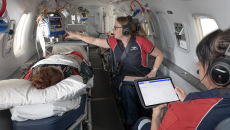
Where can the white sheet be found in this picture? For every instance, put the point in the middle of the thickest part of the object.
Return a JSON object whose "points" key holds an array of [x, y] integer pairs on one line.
{"points": [[67, 49], [59, 59], [65, 60], [40, 111]]}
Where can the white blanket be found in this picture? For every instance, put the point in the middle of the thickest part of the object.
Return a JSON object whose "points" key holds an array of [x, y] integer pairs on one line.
{"points": [[64, 60], [69, 49], [59, 59], [40, 111]]}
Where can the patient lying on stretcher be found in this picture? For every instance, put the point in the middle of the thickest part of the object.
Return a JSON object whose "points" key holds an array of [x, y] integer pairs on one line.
{"points": [[45, 75]]}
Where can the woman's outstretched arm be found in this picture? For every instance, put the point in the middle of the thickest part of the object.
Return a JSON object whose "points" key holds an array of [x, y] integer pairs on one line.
{"points": [[91, 40]]}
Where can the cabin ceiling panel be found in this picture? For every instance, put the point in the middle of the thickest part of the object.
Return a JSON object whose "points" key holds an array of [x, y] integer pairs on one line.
{"points": [[16, 8], [99, 3]]}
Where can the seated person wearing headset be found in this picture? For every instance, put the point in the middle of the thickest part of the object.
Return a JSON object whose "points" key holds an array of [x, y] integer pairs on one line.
{"points": [[46, 75], [125, 28], [199, 110]]}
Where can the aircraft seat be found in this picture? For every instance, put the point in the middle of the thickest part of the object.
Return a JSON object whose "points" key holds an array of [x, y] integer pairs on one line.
{"points": [[223, 125]]}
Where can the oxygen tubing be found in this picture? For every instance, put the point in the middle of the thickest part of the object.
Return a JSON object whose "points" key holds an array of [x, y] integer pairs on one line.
{"points": [[8, 24], [147, 30], [138, 3], [3, 8]]}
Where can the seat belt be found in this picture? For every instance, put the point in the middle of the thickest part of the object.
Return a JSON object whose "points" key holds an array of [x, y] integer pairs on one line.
{"points": [[131, 41]]}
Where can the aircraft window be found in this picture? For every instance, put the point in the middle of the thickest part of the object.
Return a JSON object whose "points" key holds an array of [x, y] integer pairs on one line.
{"points": [[19, 32], [204, 24], [208, 25]]}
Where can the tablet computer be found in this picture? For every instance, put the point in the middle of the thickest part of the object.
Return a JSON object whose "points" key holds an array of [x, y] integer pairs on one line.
{"points": [[155, 91]]}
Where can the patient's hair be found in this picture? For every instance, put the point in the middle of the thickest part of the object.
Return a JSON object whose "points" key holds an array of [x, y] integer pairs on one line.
{"points": [[45, 77]]}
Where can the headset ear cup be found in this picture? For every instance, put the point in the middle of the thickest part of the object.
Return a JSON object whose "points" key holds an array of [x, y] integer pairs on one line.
{"points": [[219, 71], [126, 31]]}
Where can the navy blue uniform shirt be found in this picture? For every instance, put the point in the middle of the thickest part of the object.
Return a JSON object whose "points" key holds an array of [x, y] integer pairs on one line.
{"points": [[135, 60]]}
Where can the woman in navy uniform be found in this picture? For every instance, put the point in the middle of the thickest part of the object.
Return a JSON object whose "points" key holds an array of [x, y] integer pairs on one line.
{"points": [[134, 63]]}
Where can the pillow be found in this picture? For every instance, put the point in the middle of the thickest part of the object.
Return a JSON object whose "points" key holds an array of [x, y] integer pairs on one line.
{"points": [[40, 111], [16, 92]]}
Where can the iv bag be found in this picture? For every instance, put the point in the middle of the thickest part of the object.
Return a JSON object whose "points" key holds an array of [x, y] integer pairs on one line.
{"points": [[4, 24], [65, 12]]}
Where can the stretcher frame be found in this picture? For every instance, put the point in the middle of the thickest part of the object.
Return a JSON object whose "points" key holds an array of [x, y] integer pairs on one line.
{"points": [[86, 118]]}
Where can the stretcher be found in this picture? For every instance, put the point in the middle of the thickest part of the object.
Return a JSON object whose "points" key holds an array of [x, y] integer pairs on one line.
{"points": [[71, 120]]}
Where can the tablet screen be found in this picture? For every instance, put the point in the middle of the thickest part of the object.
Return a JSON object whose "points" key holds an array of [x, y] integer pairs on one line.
{"points": [[157, 91]]}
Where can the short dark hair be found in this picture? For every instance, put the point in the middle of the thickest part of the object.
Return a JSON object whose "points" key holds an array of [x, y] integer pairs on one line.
{"points": [[212, 46]]}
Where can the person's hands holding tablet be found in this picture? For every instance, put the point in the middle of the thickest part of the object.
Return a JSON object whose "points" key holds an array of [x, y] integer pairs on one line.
{"points": [[181, 93], [157, 115], [156, 91], [159, 111]]}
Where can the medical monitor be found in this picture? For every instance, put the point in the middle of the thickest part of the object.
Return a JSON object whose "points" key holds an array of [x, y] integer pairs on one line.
{"points": [[55, 23], [54, 26], [155, 91]]}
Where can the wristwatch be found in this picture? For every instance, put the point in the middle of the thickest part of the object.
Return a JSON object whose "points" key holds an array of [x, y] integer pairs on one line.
{"points": [[154, 69]]}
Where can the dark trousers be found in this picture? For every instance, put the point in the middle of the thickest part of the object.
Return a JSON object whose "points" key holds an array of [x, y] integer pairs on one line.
{"points": [[130, 101]]}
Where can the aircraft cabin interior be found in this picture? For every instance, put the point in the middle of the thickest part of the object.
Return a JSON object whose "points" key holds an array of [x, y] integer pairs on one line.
{"points": [[63, 62]]}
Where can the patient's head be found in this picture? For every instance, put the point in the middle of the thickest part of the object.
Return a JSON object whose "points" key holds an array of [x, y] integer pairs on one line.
{"points": [[47, 76]]}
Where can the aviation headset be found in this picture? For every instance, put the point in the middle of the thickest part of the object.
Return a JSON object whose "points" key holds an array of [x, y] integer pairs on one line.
{"points": [[127, 28], [219, 70]]}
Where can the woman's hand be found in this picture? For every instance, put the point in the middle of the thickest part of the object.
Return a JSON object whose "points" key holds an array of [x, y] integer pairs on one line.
{"points": [[75, 57], [71, 34], [181, 93], [151, 74], [157, 116], [158, 111]]}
